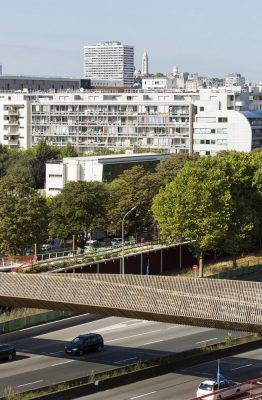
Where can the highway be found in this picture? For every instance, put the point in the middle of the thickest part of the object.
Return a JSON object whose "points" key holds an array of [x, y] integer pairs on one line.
{"points": [[41, 359], [183, 384]]}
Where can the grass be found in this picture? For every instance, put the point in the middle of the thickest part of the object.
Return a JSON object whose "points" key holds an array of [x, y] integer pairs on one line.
{"points": [[222, 265], [19, 313]]}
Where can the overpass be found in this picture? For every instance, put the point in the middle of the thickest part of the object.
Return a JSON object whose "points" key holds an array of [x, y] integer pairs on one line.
{"points": [[223, 304]]}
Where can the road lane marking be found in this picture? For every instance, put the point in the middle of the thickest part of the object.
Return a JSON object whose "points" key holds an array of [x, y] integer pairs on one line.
{"points": [[208, 340], [242, 366], [156, 341], [64, 362], [51, 354], [30, 383], [128, 337], [142, 395], [127, 359]]}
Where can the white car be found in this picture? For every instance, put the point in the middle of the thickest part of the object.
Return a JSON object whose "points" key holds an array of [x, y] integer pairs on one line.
{"points": [[210, 386]]}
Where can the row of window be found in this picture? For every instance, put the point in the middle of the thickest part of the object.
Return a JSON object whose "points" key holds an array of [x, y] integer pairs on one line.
{"points": [[219, 142]]}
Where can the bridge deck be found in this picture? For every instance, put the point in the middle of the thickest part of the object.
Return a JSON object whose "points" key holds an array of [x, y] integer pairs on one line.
{"points": [[226, 304]]}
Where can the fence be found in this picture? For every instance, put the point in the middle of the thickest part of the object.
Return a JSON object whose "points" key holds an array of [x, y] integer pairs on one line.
{"points": [[33, 320]]}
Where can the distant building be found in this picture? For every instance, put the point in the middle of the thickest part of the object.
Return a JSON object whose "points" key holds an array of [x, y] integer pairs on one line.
{"points": [[110, 62], [98, 168], [40, 83], [144, 70], [158, 83], [1, 69], [234, 80]]}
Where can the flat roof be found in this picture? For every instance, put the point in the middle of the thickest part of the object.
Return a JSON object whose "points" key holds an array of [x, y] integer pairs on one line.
{"points": [[120, 158]]}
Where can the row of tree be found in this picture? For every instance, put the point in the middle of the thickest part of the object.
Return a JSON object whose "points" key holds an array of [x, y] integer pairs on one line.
{"points": [[214, 202]]}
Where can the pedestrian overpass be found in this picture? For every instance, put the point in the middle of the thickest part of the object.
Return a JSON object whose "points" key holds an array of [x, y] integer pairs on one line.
{"points": [[224, 304]]}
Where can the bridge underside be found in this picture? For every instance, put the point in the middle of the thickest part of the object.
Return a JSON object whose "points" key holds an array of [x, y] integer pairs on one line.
{"points": [[231, 305]]}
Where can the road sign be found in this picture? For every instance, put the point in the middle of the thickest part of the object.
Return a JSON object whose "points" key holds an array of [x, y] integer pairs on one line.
{"points": [[195, 267]]}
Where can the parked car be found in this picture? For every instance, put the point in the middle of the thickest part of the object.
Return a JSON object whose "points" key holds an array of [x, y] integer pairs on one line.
{"points": [[210, 386], [84, 344], [7, 352], [116, 242]]}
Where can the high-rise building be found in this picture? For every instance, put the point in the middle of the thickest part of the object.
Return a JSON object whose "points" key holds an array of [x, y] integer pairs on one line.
{"points": [[109, 64], [144, 70]]}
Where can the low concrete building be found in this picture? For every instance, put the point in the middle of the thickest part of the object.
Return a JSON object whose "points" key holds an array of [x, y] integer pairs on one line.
{"points": [[98, 168]]}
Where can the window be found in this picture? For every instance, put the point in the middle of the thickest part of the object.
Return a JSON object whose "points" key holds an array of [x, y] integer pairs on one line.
{"points": [[222, 120], [201, 108]]}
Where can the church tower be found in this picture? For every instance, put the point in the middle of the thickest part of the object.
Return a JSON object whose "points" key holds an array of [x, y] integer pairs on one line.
{"points": [[144, 70]]}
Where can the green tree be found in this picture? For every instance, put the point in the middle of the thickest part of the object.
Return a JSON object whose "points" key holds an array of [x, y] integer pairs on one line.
{"points": [[134, 187], [43, 152], [195, 206], [167, 170], [243, 227], [19, 164], [78, 210], [4, 159], [23, 215]]}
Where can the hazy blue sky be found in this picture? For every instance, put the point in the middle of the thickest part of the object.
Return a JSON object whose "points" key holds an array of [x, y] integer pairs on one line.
{"points": [[211, 37]]}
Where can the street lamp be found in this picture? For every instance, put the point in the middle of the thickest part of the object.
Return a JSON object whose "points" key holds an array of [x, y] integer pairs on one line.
{"points": [[123, 256]]}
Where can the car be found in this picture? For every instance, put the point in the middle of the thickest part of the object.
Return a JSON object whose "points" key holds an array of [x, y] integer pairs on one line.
{"points": [[84, 344], [7, 352], [210, 386], [116, 242]]}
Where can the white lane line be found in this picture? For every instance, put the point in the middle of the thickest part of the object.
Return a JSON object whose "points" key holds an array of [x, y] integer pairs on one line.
{"points": [[208, 340], [243, 366], [127, 359], [64, 362], [128, 337], [30, 383], [142, 395], [51, 354], [156, 341]]}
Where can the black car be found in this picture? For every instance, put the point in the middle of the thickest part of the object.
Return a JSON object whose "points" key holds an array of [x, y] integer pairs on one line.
{"points": [[7, 352], [84, 344]]}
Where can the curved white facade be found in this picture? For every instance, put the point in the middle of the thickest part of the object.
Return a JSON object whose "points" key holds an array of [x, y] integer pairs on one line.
{"points": [[221, 130]]}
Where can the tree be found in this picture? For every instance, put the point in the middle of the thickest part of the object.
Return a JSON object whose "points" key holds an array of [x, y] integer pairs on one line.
{"points": [[245, 219], [43, 152], [167, 170], [23, 215], [4, 158], [19, 164], [134, 187], [78, 210], [196, 206]]}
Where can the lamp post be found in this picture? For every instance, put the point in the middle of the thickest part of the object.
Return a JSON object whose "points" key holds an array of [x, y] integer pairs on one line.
{"points": [[123, 237]]}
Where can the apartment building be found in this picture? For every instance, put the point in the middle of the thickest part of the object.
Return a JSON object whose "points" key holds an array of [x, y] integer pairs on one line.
{"points": [[110, 62], [206, 121], [234, 80], [41, 83], [114, 120], [15, 128]]}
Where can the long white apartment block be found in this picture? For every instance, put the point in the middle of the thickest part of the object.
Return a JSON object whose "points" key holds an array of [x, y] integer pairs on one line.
{"points": [[109, 61], [114, 120], [205, 121]]}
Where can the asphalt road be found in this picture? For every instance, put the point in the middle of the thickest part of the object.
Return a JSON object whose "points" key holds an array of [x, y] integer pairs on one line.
{"points": [[41, 359], [183, 384]]}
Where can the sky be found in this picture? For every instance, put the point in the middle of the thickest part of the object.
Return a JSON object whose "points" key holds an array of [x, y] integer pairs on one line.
{"points": [[211, 37]]}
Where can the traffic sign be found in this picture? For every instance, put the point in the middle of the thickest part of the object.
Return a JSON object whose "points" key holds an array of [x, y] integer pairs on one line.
{"points": [[195, 267]]}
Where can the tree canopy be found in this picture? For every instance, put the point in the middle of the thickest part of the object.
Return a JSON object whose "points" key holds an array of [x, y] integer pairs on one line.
{"points": [[23, 215], [78, 210]]}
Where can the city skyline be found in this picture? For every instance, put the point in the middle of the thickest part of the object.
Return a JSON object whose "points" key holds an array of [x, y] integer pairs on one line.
{"points": [[214, 40]]}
